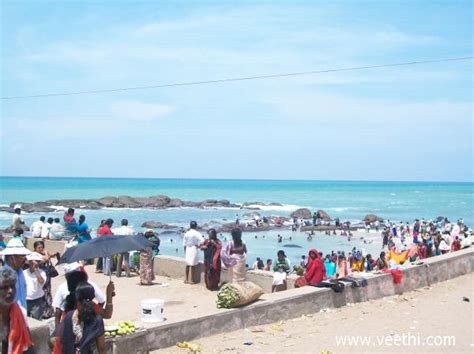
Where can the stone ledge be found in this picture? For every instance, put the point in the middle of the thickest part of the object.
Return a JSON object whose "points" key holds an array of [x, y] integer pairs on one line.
{"points": [[294, 303]]}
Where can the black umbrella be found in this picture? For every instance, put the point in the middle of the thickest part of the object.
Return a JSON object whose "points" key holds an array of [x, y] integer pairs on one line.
{"points": [[105, 246]]}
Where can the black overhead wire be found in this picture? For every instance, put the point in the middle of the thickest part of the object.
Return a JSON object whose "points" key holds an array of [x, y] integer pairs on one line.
{"points": [[246, 78]]}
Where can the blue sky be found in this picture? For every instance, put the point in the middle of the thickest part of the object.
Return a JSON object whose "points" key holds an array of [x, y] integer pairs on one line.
{"points": [[403, 123]]}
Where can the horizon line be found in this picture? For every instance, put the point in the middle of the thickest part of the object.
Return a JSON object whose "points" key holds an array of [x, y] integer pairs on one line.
{"points": [[240, 179]]}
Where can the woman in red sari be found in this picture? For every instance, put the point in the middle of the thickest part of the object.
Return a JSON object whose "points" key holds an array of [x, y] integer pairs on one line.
{"points": [[315, 270], [212, 260]]}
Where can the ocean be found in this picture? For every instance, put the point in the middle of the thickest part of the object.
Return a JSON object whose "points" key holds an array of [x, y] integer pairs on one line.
{"points": [[348, 200]]}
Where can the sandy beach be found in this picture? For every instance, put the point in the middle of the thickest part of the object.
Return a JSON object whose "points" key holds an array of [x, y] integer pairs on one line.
{"points": [[431, 311]]}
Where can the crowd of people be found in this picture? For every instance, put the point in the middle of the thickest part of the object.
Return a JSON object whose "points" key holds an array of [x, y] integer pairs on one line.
{"points": [[79, 306], [78, 232]]}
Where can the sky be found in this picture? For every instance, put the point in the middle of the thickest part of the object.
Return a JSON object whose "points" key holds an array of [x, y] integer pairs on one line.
{"points": [[411, 123]]}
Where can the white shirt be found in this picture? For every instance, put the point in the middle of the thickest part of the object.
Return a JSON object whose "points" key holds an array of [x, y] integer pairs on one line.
{"points": [[36, 228], [17, 220], [124, 231], [57, 229], [62, 292], [45, 230], [34, 290], [192, 238]]}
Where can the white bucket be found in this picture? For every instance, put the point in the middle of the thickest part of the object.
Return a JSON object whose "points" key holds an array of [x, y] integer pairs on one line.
{"points": [[152, 310]]}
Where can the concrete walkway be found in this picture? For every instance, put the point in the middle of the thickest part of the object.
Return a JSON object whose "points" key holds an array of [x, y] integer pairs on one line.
{"points": [[182, 301], [430, 311]]}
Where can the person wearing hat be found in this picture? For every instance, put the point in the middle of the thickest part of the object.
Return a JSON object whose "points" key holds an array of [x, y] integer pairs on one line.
{"points": [[15, 256], [35, 279], [281, 267], [14, 336], [17, 220], [192, 240]]}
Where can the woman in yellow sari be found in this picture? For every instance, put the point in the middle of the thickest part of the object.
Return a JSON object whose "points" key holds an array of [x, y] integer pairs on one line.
{"points": [[399, 258]]}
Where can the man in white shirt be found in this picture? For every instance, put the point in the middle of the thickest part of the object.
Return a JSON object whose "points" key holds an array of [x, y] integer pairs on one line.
{"points": [[45, 230], [123, 230], [192, 240], [74, 275], [37, 226], [35, 279], [17, 220], [57, 230]]}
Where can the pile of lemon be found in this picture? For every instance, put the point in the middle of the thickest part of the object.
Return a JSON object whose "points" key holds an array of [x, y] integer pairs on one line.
{"points": [[121, 328]]}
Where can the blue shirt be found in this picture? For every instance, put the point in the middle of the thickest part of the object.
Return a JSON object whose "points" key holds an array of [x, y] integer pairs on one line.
{"points": [[20, 286], [330, 268], [82, 232]]}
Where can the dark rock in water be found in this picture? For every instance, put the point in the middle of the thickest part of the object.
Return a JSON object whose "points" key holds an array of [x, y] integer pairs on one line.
{"points": [[92, 205], [191, 204], [167, 232], [372, 218], [291, 245], [251, 215], [127, 202], [253, 203], [158, 225], [275, 204], [323, 215], [175, 203], [152, 225], [106, 201], [160, 201], [302, 213], [123, 201], [169, 227]]}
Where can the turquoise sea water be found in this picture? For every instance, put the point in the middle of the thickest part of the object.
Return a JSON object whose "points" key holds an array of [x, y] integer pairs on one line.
{"points": [[348, 200]]}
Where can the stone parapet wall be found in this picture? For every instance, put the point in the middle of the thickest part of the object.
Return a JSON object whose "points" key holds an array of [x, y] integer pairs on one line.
{"points": [[273, 307]]}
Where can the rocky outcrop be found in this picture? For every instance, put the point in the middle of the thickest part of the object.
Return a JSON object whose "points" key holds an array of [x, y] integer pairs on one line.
{"points": [[302, 213], [158, 225], [245, 228], [370, 218], [323, 215], [251, 215], [123, 201]]}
